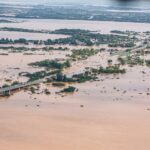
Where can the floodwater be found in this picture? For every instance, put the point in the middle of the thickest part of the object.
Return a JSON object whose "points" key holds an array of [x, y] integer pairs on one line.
{"points": [[110, 119], [29, 36], [14, 63], [109, 114], [103, 26]]}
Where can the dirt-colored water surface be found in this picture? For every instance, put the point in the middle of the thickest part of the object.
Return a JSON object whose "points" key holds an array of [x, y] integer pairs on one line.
{"points": [[112, 113]]}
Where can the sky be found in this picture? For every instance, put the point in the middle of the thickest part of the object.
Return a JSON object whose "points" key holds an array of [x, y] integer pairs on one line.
{"points": [[58, 1], [94, 2]]}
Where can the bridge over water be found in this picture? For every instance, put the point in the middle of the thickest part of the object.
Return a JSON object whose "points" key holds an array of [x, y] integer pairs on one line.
{"points": [[18, 86]]}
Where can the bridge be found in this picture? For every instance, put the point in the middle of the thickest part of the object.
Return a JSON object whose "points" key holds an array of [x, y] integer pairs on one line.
{"points": [[18, 86]]}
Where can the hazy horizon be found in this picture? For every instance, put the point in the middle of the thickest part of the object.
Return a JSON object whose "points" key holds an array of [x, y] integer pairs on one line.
{"points": [[136, 3]]}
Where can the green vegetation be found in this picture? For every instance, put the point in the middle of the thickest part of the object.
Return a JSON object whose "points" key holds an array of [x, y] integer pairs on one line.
{"points": [[23, 30], [69, 89], [123, 44], [51, 64], [148, 63], [118, 32], [53, 48], [85, 37], [109, 70], [6, 94], [15, 49], [70, 31], [15, 83], [10, 41], [84, 77], [81, 54], [76, 37], [5, 86], [122, 61], [109, 61], [40, 75], [131, 60], [58, 84], [33, 90], [24, 49]]}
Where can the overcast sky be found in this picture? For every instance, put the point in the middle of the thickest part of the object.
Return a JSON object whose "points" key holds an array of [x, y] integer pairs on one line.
{"points": [[97, 2], [58, 1]]}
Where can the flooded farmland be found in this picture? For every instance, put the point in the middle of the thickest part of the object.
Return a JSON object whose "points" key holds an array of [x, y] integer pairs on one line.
{"points": [[103, 26], [29, 36], [109, 109]]}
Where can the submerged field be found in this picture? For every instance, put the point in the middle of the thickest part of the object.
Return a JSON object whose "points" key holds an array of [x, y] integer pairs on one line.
{"points": [[93, 91]]}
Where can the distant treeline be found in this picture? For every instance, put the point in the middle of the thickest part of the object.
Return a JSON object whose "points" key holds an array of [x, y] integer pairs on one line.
{"points": [[78, 37]]}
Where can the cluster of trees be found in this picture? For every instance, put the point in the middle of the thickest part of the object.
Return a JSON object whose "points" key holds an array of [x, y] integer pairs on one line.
{"points": [[23, 30], [87, 37], [69, 89], [51, 64], [109, 70], [40, 75], [118, 32], [53, 48], [78, 54], [76, 37], [123, 44], [10, 41], [131, 60], [70, 31]]}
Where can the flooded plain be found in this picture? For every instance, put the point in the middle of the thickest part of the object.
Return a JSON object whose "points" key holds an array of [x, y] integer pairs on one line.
{"points": [[103, 26], [111, 113], [29, 36]]}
